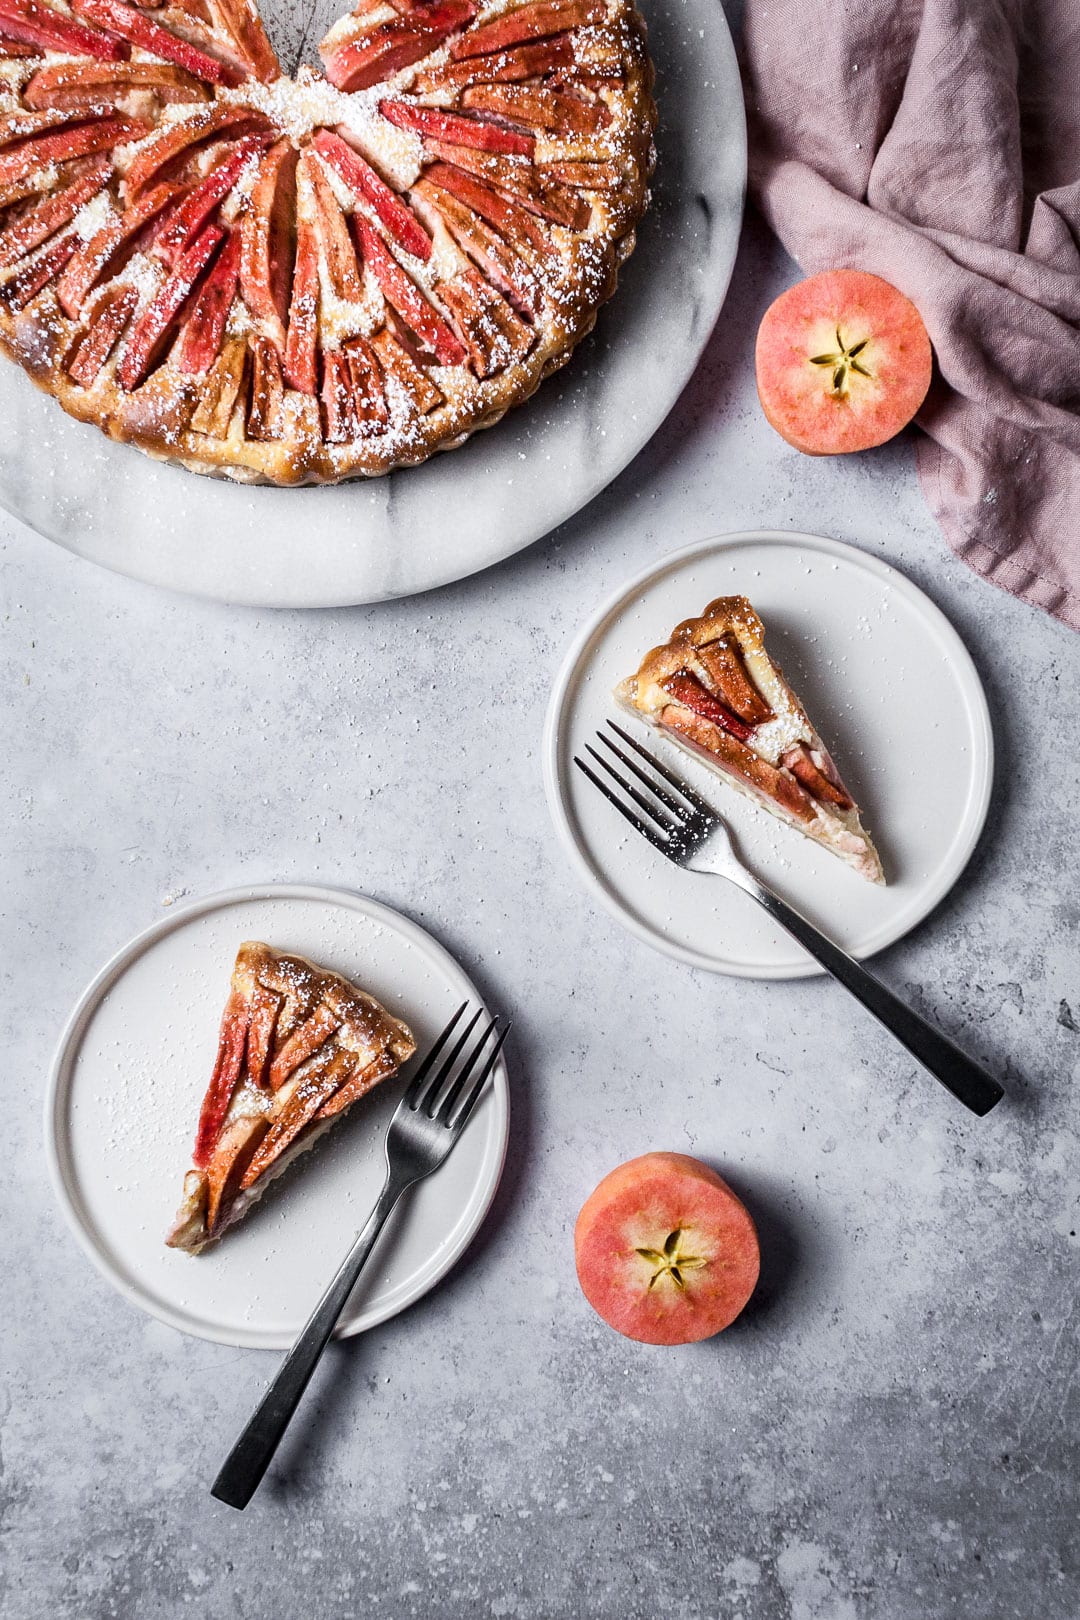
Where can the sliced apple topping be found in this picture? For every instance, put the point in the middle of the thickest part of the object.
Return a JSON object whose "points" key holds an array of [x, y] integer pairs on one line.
{"points": [[301, 341], [264, 1013], [268, 237], [818, 775], [525, 23], [505, 67], [236, 1148], [502, 266], [358, 1085], [34, 24], [203, 331], [583, 176], [156, 324], [92, 84], [725, 667], [14, 49], [20, 125], [519, 181], [232, 1038], [314, 1088], [302, 1043], [39, 273], [132, 25], [242, 26], [220, 390], [373, 57], [513, 222], [339, 250], [686, 689], [340, 424], [112, 314], [73, 139], [110, 248], [362, 180], [189, 216], [538, 107], [353, 400], [493, 335], [52, 213], [178, 144], [398, 363], [405, 297], [267, 391], [369, 397], [721, 746], [452, 127]]}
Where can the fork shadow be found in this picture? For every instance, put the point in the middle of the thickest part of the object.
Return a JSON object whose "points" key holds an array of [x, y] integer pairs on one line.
{"points": [[335, 1385], [969, 895]]}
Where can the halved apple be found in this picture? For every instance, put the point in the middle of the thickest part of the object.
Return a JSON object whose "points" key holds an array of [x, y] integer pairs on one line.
{"points": [[843, 362], [665, 1251]]}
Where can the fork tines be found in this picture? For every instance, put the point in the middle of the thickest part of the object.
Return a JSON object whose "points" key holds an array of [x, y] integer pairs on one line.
{"points": [[452, 1106], [670, 819]]}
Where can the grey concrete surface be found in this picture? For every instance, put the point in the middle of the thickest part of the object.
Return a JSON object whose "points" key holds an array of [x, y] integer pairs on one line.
{"points": [[890, 1431]]}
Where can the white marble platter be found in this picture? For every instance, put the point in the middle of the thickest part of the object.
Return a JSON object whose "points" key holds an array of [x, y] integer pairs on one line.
{"points": [[463, 511]]}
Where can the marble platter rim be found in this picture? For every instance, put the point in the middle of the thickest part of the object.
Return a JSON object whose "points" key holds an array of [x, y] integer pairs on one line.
{"points": [[381, 1298], [601, 878], [464, 511]]}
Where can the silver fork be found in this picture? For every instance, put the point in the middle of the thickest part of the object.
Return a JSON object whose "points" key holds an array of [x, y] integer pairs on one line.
{"points": [[426, 1124], [681, 825]]}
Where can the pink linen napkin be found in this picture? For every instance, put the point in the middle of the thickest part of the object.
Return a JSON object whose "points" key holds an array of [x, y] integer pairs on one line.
{"points": [[937, 144]]}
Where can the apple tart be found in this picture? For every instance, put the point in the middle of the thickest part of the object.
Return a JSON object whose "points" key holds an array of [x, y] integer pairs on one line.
{"points": [[714, 690], [300, 280], [298, 1046]]}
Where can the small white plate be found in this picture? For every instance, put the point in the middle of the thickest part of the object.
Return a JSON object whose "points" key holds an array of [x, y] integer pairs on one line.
{"points": [[891, 688], [124, 1095]]}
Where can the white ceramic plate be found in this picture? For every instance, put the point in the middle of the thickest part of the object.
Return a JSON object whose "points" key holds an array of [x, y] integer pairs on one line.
{"points": [[124, 1095], [366, 541], [891, 688]]}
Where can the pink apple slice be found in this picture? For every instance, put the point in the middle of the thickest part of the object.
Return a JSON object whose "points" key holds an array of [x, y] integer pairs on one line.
{"points": [[139, 30], [157, 320], [403, 295], [361, 178], [527, 23], [204, 329], [447, 126], [34, 24]]}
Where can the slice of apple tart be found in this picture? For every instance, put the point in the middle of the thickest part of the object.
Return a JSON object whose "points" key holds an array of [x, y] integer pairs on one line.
{"points": [[713, 689], [300, 280], [298, 1046]]}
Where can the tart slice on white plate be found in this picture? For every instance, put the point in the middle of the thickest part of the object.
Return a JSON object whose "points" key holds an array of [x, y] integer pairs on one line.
{"points": [[713, 689], [298, 1046]]}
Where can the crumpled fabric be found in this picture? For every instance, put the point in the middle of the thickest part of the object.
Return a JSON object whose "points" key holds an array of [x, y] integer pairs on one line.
{"points": [[936, 143]]}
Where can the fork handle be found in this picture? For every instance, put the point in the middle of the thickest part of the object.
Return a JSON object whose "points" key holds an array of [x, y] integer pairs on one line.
{"points": [[250, 1457], [966, 1079]]}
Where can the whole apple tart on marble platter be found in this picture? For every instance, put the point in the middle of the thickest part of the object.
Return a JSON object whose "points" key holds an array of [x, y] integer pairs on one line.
{"points": [[304, 279]]}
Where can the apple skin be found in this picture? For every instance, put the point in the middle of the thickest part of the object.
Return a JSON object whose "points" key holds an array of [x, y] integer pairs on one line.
{"points": [[665, 1251], [798, 362]]}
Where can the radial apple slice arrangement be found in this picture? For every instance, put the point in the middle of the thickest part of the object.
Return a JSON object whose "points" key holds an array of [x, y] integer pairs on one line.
{"points": [[305, 279]]}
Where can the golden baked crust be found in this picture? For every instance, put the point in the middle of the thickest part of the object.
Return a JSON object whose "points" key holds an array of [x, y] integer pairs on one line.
{"points": [[713, 689], [298, 1046], [395, 289]]}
